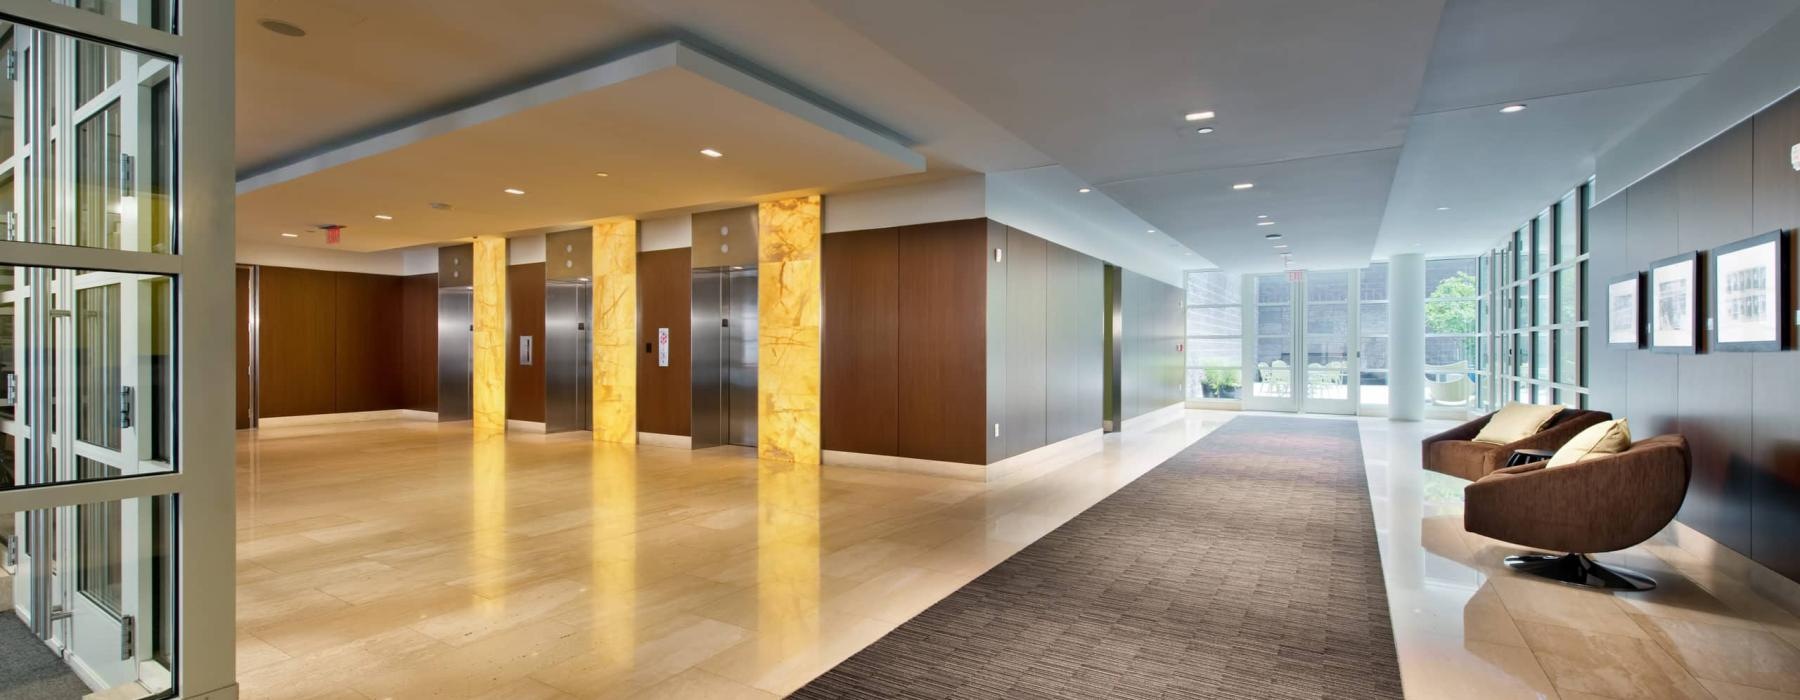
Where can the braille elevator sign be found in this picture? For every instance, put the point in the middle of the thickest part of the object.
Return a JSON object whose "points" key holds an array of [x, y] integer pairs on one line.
{"points": [[662, 347]]}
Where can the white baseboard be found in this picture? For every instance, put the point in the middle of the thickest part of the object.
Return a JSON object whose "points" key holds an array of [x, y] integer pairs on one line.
{"points": [[1777, 588], [1156, 417], [909, 465], [524, 426], [353, 417], [683, 442], [1040, 459]]}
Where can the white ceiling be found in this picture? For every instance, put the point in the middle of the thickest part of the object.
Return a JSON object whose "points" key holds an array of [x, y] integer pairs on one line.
{"points": [[1356, 118], [642, 119]]}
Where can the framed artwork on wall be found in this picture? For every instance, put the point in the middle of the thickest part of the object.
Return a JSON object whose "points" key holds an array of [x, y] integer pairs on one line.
{"points": [[1749, 308], [1674, 294], [1624, 310]]}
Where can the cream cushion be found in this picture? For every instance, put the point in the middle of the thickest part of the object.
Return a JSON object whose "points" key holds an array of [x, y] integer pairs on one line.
{"points": [[1598, 440], [1516, 422]]}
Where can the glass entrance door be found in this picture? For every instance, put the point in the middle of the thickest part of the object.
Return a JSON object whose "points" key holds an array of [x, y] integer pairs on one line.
{"points": [[1300, 356]]}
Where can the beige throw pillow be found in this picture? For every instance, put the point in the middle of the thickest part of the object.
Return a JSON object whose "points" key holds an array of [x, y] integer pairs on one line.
{"points": [[1598, 440], [1516, 422]]}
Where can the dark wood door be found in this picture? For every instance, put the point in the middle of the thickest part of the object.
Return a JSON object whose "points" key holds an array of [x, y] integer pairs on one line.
{"points": [[244, 368]]}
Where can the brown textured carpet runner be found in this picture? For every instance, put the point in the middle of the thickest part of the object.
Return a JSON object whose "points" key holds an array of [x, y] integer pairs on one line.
{"points": [[1243, 567]]}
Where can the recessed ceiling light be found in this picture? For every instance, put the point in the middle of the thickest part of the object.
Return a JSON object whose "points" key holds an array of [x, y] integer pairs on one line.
{"points": [[283, 28], [1262, 216], [1150, 231], [1243, 185], [1281, 246], [1188, 253], [1204, 130], [1199, 116], [384, 217], [1512, 108], [514, 191], [602, 174], [290, 235], [1085, 190], [710, 153], [1443, 208], [1265, 223], [1273, 236]]}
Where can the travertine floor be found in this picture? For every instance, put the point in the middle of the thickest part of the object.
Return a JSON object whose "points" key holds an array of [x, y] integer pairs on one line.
{"points": [[1468, 627], [403, 559]]}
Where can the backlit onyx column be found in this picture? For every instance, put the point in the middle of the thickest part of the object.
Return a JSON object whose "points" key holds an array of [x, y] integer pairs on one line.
{"points": [[788, 320], [615, 332], [488, 385]]}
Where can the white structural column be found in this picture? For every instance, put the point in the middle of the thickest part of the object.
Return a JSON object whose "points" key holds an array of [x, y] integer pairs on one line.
{"points": [[1406, 337]]}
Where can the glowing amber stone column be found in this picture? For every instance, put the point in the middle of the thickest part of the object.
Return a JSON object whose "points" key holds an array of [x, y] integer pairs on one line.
{"points": [[788, 318], [615, 331], [488, 383]]}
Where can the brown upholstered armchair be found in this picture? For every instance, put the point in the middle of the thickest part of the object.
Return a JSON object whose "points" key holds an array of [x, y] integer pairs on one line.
{"points": [[1599, 505], [1454, 451]]}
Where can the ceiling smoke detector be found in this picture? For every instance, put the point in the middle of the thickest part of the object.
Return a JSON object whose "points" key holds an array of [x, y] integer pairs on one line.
{"points": [[287, 29]]}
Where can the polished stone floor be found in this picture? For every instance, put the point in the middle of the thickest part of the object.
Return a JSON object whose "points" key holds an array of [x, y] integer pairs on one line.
{"points": [[1468, 627], [403, 559]]}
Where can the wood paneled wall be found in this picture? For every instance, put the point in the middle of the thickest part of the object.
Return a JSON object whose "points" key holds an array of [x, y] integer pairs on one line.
{"points": [[860, 400], [665, 394], [904, 342], [418, 342], [1739, 411], [525, 318], [327, 342], [244, 411]]}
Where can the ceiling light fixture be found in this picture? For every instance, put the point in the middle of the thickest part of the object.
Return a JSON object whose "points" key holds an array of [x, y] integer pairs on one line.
{"points": [[1281, 246], [1265, 223], [602, 174], [1204, 130], [1199, 116], [1443, 208], [710, 153], [1512, 109], [384, 217], [287, 29], [1085, 190], [1243, 185], [290, 235], [1273, 236], [1262, 216], [514, 191]]}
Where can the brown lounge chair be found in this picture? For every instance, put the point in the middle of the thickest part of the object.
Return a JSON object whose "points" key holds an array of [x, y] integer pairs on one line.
{"points": [[1454, 451], [1599, 505]]}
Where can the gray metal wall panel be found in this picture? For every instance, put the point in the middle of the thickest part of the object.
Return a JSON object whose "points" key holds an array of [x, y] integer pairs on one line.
{"points": [[725, 238], [996, 340], [1026, 260], [1090, 326], [569, 255], [1062, 344]]}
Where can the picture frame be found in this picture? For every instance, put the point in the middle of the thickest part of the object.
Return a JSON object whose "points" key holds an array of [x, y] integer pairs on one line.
{"points": [[1749, 299], [1673, 292], [1625, 311]]}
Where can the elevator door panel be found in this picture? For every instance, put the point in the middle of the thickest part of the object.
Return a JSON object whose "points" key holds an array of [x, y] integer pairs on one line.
{"points": [[707, 353], [456, 351], [568, 356], [740, 358]]}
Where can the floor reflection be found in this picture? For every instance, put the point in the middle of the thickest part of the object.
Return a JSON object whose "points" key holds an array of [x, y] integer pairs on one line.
{"points": [[1468, 627], [787, 560], [613, 595], [487, 501]]}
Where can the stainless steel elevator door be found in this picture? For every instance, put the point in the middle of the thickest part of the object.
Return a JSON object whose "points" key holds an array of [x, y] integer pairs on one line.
{"points": [[568, 356], [724, 357], [456, 352], [740, 357]]}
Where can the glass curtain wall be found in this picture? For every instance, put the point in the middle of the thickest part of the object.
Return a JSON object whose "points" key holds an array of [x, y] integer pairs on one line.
{"points": [[115, 484], [1532, 309], [1373, 335], [1215, 330], [1452, 331]]}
